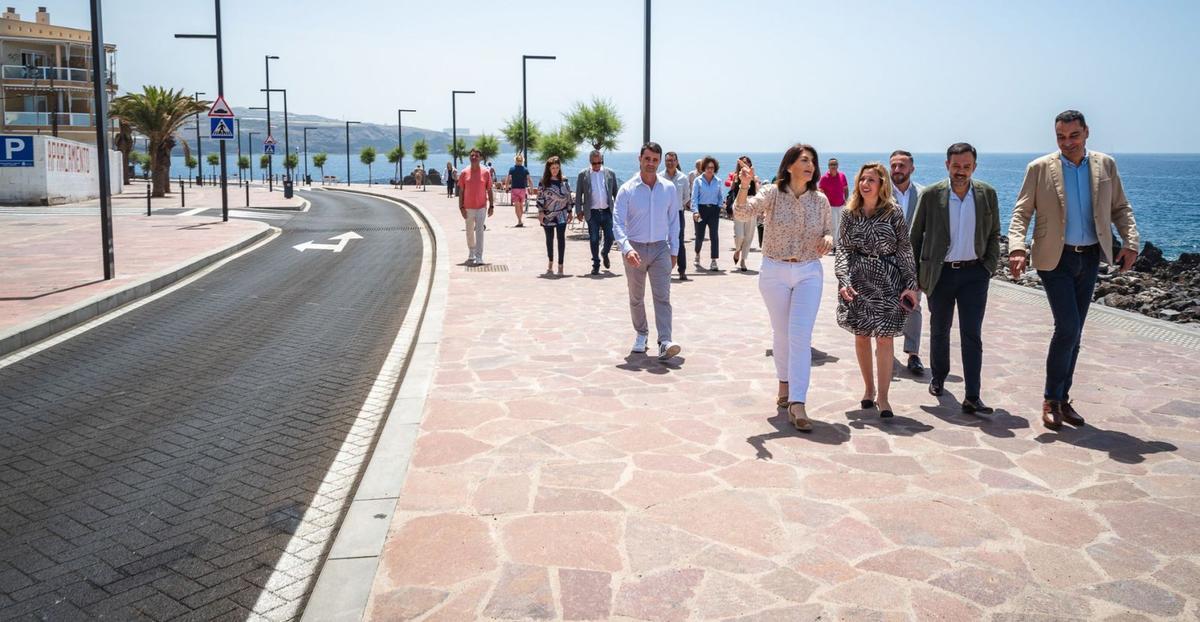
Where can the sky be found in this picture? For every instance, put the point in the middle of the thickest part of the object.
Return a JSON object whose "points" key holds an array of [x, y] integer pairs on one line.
{"points": [[754, 75]]}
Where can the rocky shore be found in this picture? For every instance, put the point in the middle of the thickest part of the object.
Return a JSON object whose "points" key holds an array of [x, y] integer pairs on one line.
{"points": [[1156, 287]]}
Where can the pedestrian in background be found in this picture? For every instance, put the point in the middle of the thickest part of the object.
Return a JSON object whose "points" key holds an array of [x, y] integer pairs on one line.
{"points": [[877, 280], [833, 184], [554, 210], [595, 192], [475, 194], [517, 181], [684, 188], [798, 234], [905, 191], [708, 194], [451, 178], [743, 229]]}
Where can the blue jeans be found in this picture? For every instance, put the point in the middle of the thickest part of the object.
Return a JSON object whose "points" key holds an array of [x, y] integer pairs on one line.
{"points": [[600, 221], [1069, 288]]}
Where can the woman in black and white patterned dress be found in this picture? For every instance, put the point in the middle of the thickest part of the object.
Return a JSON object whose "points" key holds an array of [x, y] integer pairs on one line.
{"points": [[877, 281]]}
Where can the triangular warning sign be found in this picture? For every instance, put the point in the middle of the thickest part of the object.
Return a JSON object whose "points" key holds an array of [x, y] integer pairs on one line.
{"points": [[222, 129], [270, 140], [220, 108]]}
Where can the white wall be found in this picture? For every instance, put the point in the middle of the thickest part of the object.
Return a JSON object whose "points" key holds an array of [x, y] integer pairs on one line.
{"points": [[63, 171]]}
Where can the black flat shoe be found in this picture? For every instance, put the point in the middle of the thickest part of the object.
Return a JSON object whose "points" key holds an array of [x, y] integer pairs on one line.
{"points": [[868, 404], [974, 405], [605, 259], [886, 414], [935, 388], [914, 365]]}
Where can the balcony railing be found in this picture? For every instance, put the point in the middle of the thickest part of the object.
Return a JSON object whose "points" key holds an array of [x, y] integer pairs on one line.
{"points": [[60, 74], [42, 119]]}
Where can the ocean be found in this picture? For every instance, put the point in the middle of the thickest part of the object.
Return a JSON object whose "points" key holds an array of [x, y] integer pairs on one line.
{"points": [[1164, 189]]}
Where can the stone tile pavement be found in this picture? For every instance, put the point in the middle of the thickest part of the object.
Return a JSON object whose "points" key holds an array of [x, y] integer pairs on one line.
{"points": [[558, 476]]}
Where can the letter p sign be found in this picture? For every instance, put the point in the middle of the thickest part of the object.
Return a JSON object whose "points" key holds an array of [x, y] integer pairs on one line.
{"points": [[16, 151]]}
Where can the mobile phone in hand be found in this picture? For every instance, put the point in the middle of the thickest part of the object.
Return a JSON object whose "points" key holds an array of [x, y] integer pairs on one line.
{"points": [[907, 304]]}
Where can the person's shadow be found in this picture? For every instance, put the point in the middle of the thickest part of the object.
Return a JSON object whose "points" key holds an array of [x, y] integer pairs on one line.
{"points": [[818, 357], [824, 433], [1122, 447], [898, 425], [649, 363], [999, 424]]}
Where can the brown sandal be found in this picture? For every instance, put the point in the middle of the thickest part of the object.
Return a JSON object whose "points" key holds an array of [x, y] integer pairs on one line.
{"points": [[781, 401], [798, 416]]}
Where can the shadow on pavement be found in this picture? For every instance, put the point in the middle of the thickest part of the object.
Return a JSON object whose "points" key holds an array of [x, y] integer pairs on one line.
{"points": [[648, 362], [896, 426], [999, 424], [1120, 446], [824, 433]]}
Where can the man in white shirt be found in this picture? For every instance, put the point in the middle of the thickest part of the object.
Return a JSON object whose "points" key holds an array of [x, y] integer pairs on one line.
{"points": [[595, 191], [683, 185], [906, 191], [646, 226]]}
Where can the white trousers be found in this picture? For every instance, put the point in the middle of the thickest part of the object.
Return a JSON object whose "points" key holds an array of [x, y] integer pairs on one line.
{"points": [[792, 292], [476, 218], [743, 235], [835, 217]]}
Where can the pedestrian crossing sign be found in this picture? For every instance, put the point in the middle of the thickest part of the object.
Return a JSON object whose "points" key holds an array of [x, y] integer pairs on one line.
{"points": [[269, 145], [220, 128]]}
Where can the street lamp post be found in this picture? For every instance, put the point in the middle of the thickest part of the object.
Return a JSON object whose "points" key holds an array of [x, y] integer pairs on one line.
{"points": [[250, 147], [454, 123], [252, 150], [199, 150], [306, 152], [348, 123], [400, 140], [646, 106], [238, 123], [100, 104], [270, 159], [286, 151], [525, 105], [216, 36]]}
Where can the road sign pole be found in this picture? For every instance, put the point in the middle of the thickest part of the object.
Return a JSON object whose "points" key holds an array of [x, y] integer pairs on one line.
{"points": [[99, 84]]}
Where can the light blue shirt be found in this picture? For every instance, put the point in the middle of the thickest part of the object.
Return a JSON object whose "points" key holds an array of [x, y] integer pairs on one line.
{"points": [[962, 226], [706, 192], [1077, 184], [646, 215]]}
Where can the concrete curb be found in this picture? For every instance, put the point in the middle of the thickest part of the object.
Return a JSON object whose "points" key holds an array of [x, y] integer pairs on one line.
{"points": [[343, 586], [58, 321]]}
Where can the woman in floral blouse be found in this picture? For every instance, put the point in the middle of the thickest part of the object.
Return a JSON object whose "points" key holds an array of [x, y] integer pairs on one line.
{"points": [[877, 278], [554, 210], [798, 234]]}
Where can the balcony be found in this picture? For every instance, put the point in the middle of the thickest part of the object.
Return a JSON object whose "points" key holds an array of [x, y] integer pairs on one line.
{"points": [[42, 119], [58, 74]]}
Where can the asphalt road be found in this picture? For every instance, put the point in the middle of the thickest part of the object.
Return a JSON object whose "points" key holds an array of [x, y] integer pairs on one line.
{"points": [[159, 465]]}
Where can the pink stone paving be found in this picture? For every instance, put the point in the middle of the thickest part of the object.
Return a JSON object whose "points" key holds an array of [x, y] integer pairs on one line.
{"points": [[559, 477]]}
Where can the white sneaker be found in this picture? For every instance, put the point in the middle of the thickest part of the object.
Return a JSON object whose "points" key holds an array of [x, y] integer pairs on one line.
{"points": [[713, 266], [639, 344], [697, 264], [668, 350]]}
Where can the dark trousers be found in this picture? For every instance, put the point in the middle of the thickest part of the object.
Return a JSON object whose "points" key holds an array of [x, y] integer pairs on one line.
{"points": [[760, 234], [682, 263], [599, 221], [966, 288], [710, 220], [559, 231], [1069, 288]]}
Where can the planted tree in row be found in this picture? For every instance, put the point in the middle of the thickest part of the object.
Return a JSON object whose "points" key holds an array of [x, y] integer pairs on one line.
{"points": [[319, 160], [394, 156], [512, 132], [420, 154], [367, 156]]}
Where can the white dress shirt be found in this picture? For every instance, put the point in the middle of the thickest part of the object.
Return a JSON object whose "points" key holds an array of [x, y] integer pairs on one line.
{"points": [[901, 198], [682, 186], [646, 215], [599, 189], [962, 226]]}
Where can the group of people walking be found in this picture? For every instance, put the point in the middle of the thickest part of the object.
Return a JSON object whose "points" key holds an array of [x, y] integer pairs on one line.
{"points": [[894, 243]]}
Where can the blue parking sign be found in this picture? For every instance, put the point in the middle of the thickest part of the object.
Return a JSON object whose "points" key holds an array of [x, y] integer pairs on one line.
{"points": [[16, 151]]}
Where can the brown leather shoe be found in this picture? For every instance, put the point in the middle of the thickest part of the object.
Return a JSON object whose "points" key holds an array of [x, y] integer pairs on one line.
{"points": [[1052, 415], [1070, 415]]}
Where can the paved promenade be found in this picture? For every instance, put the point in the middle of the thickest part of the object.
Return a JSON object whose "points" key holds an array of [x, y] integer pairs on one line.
{"points": [[558, 476]]}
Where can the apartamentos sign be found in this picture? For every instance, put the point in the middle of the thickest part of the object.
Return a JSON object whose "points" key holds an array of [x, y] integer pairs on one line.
{"points": [[68, 157]]}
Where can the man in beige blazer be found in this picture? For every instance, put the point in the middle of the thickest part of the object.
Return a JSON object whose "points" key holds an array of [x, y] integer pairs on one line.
{"points": [[1074, 197]]}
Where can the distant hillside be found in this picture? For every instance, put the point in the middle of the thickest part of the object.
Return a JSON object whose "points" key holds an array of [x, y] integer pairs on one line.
{"points": [[329, 135]]}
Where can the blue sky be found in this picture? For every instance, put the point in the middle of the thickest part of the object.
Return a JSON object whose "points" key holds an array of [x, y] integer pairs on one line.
{"points": [[753, 75]]}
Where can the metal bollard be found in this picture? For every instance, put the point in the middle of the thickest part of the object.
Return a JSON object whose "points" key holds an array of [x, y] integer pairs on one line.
{"points": [[182, 195], [147, 199], [247, 195]]}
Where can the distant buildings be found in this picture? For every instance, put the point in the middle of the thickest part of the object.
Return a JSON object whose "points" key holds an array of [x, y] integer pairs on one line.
{"points": [[46, 77]]}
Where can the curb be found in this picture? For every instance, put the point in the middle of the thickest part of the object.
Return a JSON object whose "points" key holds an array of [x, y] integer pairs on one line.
{"points": [[343, 585], [58, 321]]}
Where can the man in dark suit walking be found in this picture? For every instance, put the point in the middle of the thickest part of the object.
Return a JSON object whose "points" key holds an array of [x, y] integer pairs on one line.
{"points": [[595, 191], [956, 241]]}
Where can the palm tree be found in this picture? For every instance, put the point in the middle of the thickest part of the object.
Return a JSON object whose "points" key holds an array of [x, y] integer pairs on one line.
{"points": [[243, 163], [264, 161], [597, 124], [213, 161], [319, 162], [190, 162], [420, 154], [124, 144], [558, 143], [457, 150], [367, 156], [512, 132], [290, 162], [488, 146], [158, 113], [393, 157]]}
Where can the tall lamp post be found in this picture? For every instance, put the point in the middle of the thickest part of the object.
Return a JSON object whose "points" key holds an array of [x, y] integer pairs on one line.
{"points": [[454, 123], [400, 140], [646, 106], [216, 36], [270, 160], [250, 147], [286, 151], [100, 104], [306, 152], [525, 104], [348, 123], [252, 150], [238, 123], [199, 150]]}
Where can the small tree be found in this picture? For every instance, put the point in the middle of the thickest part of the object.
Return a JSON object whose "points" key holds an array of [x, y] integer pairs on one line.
{"points": [[146, 163], [367, 156], [394, 157], [558, 143], [488, 146], [597, 124], [457, 150], [243, 164], [290, 162], [420, 154], [213, 161], [264, 161], [512, 132], [190, 162], [319, 162]]}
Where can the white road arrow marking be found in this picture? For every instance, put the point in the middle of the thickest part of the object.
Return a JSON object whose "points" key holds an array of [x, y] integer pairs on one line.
{"points": [[342, 239]]}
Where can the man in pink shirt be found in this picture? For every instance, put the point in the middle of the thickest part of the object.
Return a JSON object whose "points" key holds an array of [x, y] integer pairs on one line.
{"points": [[833, 184], [475, 194]]}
